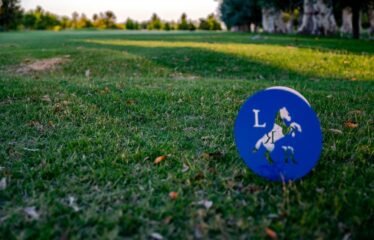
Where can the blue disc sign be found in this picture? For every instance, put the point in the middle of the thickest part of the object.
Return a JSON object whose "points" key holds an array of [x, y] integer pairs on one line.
{"points": [[278, 134]]}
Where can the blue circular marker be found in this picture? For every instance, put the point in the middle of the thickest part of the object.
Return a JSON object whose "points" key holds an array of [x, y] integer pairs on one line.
{"points": [[278, 134]]}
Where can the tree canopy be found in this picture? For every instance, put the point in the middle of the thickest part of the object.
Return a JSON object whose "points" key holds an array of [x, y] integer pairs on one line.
{"points": [[10, 14], [239, 13]]}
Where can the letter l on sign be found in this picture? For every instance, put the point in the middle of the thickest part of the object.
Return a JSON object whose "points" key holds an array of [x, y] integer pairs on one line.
{"points": [[257, 125]]}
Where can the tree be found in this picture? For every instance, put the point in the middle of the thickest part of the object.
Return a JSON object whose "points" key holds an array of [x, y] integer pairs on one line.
{"points": [[279, 16], [211, 23], [84, 22], [191, 26], [65, 22], [41, 20], [131, 24], [105, 20], [155, 23], [183, 24], [240, 14], [371, 17], [74, 20], [29, 20], [110, 19], [10, 14], [351, 12], [168, 26], [318, 18]]}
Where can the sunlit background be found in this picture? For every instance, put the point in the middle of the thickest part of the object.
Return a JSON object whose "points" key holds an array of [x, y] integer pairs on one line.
{"points": [[135, 9]]}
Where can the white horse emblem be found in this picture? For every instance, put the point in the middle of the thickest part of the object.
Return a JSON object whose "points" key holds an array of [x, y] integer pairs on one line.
{"points": [[282, 127]]}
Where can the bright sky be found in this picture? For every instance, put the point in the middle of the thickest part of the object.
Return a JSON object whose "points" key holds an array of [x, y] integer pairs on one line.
{"points": [[135, 9]]}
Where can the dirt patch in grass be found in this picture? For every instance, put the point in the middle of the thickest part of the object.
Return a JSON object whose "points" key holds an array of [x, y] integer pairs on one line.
{"points": [[41, 65]]}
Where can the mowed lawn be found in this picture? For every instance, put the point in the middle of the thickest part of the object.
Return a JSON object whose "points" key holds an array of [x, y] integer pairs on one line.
{"points": [[78, 140]]}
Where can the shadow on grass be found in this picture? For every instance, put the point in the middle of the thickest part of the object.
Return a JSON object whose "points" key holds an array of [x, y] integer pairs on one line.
{"points": [[240, 62], [334, 44]]}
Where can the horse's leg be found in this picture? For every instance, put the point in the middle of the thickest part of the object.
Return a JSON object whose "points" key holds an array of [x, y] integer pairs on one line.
{"points": [[293, 158], [269, 149], [285, 152], [258, 144], [290, 154], [268, 157]]}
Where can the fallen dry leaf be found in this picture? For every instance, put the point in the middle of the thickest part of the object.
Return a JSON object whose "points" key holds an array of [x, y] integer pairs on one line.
{"points": [[32, 213], [167, 220], [337, 131], [156, 236], [185, 168], [46, 98], [206, 203], [355, 112], [351, 124], [252, 188], [130, 102], [87, 73], [173, 195], [206, 155], [73, 204], [271, 233], [200, 175], [36, 124], [230, 184], [160, 159]]}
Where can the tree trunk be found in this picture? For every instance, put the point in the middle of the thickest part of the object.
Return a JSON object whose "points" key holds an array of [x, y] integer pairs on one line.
{"points": [[318, 18], [309, 22], [346, 21], [280, 25], [268, 20], [371, 19], [272, 21], [241, 28], [290, 24], [356, 20], [326, 24]]}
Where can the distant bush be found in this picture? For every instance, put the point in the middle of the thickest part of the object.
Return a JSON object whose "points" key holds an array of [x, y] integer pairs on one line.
{"points": [[211, 23]]}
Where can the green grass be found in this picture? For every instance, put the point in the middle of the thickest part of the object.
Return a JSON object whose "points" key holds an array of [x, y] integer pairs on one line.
{"points": [[177, 94]]}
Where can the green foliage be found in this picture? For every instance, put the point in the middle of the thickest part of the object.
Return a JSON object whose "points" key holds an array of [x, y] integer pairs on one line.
{"points": [[211, 23], [191, 26], [40, 19], [183, 23], [131, 24], [84, 22], [106, 20], [109, 20], [10, 15], [240, 13], [168, 26], [155, 23], [285, 5]]}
